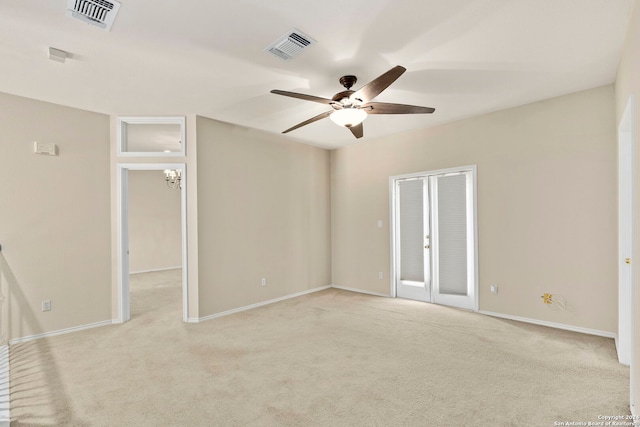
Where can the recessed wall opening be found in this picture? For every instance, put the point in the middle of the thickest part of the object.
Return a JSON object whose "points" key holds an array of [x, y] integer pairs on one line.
{"points": [[152, 243], [155, 243]]}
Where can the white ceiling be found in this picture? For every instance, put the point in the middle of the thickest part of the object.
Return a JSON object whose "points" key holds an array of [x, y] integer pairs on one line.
{"points": [[162, 57]]}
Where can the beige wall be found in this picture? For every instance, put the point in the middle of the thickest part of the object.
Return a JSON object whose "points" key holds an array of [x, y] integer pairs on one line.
{"points": [[263, 209], [155, 238], [546, 205], [54, 216], [628, 83]]}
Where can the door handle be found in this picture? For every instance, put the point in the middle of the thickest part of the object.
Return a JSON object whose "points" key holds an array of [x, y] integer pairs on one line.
{"points": [[627, 260], [426, 247]]}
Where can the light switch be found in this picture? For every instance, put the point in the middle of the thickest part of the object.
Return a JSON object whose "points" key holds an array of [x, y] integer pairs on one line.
{"points": [[47, 148], [379, 223]]}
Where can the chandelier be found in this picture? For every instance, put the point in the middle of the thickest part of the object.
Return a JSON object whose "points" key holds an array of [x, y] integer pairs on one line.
{"points": [[173, 178]]}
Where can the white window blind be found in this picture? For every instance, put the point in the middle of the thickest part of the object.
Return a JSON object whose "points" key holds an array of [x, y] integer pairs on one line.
{"points": [[452, 234], [411, 217]]}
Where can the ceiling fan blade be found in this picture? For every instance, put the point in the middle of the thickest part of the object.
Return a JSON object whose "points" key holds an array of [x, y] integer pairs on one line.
{"points": [[311, 120], [372, 89], [387, 108], [303, 96], [357, 130]]}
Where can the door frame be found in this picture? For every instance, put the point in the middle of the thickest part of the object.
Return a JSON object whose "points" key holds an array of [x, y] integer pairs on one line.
{"points": [[122, 189], [473, 211], [624, 338]]}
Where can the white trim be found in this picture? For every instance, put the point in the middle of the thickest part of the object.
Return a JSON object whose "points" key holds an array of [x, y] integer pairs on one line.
{"points": [[122, 189], [476, 247], [155, 270], [121, 135], [122, 206], [625, 342], [61, 332], [5, 397], [625, 233], [551, 324], [360, 291], [256, 305], [392, 237]]}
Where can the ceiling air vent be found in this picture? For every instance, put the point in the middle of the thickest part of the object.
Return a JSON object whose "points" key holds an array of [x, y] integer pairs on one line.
{"points": [[290, 45], [100, 13]]}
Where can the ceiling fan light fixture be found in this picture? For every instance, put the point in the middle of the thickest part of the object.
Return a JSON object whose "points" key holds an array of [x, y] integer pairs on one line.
{"points": [[348, 117], [350, 108]]}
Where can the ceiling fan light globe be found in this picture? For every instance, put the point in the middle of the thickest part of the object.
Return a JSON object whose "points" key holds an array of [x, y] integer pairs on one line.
{"points": [[348, 117]]}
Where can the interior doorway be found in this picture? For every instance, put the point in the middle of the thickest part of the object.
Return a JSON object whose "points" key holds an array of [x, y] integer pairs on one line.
{"points": [[155, 249], [124, 232], [433, 237]]}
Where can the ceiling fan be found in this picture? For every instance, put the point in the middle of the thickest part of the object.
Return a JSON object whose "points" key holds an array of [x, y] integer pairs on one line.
{"points": [[350, 108]]}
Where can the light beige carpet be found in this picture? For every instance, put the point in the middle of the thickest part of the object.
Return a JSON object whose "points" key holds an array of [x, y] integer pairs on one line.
{"points": [[331, 358]]}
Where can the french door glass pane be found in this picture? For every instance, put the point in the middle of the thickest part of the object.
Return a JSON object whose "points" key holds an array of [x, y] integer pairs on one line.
{"points": [[452, 234], [411, 217]]}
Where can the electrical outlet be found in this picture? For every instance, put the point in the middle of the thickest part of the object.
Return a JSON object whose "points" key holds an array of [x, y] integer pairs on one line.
{"points": [[46, 305], [494, 289], [380, 275], [263, 282]]}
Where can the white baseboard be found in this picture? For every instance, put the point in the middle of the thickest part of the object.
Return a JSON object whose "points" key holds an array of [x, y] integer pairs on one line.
{"points": [[5, 399], [155, 270], [60, 332], [360, 291], [256, 305], [551, 324]]}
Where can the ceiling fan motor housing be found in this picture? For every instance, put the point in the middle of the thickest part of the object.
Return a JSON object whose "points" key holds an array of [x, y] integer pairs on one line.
{"points": [[343, 98]]}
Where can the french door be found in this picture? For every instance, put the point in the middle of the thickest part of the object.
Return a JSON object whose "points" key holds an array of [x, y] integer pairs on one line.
{"points": [[434, 237]]}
